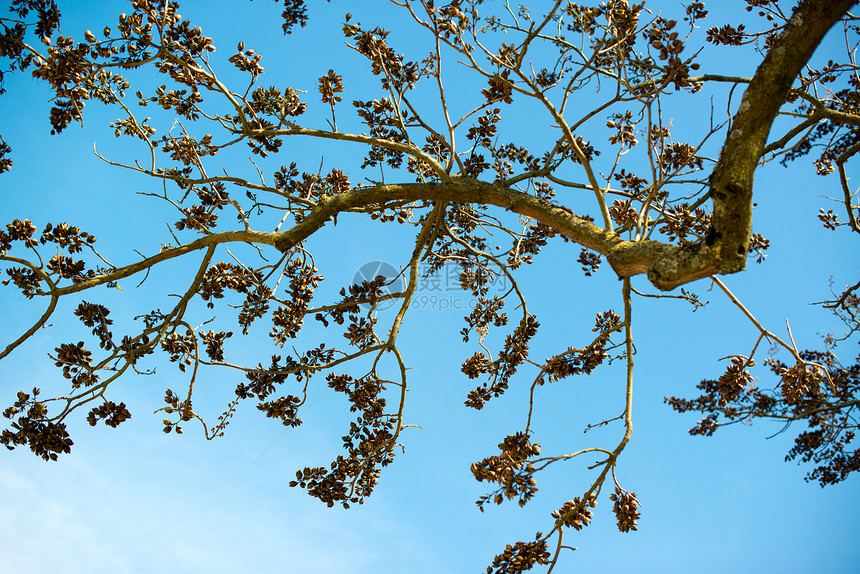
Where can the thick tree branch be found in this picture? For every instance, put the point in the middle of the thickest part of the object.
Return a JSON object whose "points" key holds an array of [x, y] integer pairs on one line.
{"points": [[726, 247], [627, 258]]}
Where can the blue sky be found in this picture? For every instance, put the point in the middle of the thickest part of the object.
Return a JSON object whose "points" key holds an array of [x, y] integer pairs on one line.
{"points": [[136, 500]]}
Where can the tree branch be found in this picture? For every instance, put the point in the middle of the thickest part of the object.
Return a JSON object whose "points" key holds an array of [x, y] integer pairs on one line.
{"points": [[725, 250]]}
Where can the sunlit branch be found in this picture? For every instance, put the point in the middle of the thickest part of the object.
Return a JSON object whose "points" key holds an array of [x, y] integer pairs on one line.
{"points": [[846, 189], [55, 297]]}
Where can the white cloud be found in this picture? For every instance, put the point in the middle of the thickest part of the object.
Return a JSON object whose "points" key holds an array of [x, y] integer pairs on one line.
{"points": [[77, 516]]}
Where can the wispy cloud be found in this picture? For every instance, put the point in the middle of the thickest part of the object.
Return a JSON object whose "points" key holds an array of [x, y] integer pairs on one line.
{"points": [[74, 518]]}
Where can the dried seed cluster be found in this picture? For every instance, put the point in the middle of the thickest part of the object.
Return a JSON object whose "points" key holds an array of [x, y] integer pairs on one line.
{"points": [[625, 506], [520, 557], [511, 469], [576, 513]]}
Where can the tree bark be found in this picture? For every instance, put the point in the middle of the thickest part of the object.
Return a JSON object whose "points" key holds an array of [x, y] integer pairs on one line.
{"points": [[726, 246], [724, 250]]}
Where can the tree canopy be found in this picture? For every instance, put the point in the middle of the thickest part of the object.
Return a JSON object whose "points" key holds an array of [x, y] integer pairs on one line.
{"points": [[493, 134]]}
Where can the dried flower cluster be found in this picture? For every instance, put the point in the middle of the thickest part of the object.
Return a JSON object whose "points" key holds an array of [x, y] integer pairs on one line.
{"points": [[520, 557], [818, 392], [576, 513], [511, 469], [626, 509]]}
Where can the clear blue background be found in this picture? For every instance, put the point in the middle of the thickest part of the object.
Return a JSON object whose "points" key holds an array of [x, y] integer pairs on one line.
{"points": [[136, 500]]}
